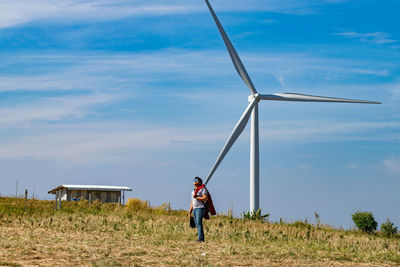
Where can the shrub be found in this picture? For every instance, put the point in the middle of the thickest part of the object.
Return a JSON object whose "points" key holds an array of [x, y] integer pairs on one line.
{"points": [[255, 215], [388, 228], [364, 221], [165, 208], [136, 204], [300, 224]]}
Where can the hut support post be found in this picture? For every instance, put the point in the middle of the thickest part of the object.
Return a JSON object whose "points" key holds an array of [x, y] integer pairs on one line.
{"points": [[26, 198], [56, 200], [59, 199]]}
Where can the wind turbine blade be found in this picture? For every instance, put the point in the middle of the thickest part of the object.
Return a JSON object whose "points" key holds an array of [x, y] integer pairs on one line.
{"points": [[232, 138], [232, 52], [312, 98]]}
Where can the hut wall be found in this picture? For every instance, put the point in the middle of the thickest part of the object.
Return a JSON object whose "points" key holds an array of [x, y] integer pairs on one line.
{"points": [[63, 194], [104, 197], [75, 194]]}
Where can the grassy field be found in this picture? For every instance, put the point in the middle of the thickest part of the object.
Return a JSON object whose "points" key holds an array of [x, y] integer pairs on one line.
{"points": [[136, 235]]}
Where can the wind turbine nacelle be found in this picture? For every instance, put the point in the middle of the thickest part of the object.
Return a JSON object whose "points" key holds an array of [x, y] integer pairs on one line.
{"points": [[254, 96]]}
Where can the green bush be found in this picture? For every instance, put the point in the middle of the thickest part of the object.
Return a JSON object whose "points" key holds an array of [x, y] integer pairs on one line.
{"points": [[255, 215], [388, 228], [364, 221]]}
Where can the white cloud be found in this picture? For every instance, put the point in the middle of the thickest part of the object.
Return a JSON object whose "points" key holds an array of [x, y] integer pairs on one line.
{"points": [[269, 21], [107, 77], [52, 109], [373, 37], [126, 140], [103, 142], [396, 91], [392, 165], [325, 131], [106, 72], [23, 11], [304, 167], [353, 166]]}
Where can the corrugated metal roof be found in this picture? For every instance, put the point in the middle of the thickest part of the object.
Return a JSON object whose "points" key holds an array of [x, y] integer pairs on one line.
{"points": [[91, 187]]}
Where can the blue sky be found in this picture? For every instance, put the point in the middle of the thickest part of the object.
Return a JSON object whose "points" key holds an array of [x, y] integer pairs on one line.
{"points": [[143, 94]]}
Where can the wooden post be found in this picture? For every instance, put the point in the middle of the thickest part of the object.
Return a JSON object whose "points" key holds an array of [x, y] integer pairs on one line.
{"points": [[56, 199], [90, 199], [119, 201], [26, 198], [123, 197], [59, 199]]}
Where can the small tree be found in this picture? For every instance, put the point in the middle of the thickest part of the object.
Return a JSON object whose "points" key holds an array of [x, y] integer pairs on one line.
{"points": [[388, 228], [364, 221]]}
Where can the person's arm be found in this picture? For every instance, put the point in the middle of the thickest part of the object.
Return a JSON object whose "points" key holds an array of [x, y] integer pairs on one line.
{"points": [[191, 208], [202, 198]]}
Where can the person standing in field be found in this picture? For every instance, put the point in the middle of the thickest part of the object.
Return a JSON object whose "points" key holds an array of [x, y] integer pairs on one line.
{"points": [[198, 207]]}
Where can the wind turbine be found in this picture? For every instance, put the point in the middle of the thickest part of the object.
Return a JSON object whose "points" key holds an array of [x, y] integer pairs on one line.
{"points": [[252, 109]]}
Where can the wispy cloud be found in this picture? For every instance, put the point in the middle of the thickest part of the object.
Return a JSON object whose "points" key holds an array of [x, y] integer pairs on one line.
{"points": [[392, 165], [53, 109], [373, 37], [327, 131], [23, 11], [123, 140], [104, 142], [269, 21], [107, 72], [14, 13], [53, 123], [396, 91], [353, 166]]}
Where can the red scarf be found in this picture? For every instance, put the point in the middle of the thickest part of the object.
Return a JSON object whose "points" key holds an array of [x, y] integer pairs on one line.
{"points": [[210, 206], [198, 189]]}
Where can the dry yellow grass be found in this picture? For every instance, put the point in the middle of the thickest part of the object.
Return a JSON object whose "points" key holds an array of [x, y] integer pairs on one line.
{"points": [[121, 236]]}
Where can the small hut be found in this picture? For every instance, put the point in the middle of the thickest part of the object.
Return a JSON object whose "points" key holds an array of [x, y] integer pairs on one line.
{"points": [[104, 193]]}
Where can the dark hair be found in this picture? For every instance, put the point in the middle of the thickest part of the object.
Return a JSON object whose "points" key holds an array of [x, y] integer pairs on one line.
{"points": [[198, 178]]}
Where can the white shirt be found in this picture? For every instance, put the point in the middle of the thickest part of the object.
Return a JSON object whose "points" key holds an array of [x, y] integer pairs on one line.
{"points": [[198, 204]]}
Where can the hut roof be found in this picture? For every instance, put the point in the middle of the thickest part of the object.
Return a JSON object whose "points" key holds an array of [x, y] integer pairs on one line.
{"points": [[91, 187]]}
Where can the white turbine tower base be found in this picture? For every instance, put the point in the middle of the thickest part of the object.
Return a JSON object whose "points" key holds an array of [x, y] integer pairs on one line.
{"points": [[254, 161], [252, 109]]}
